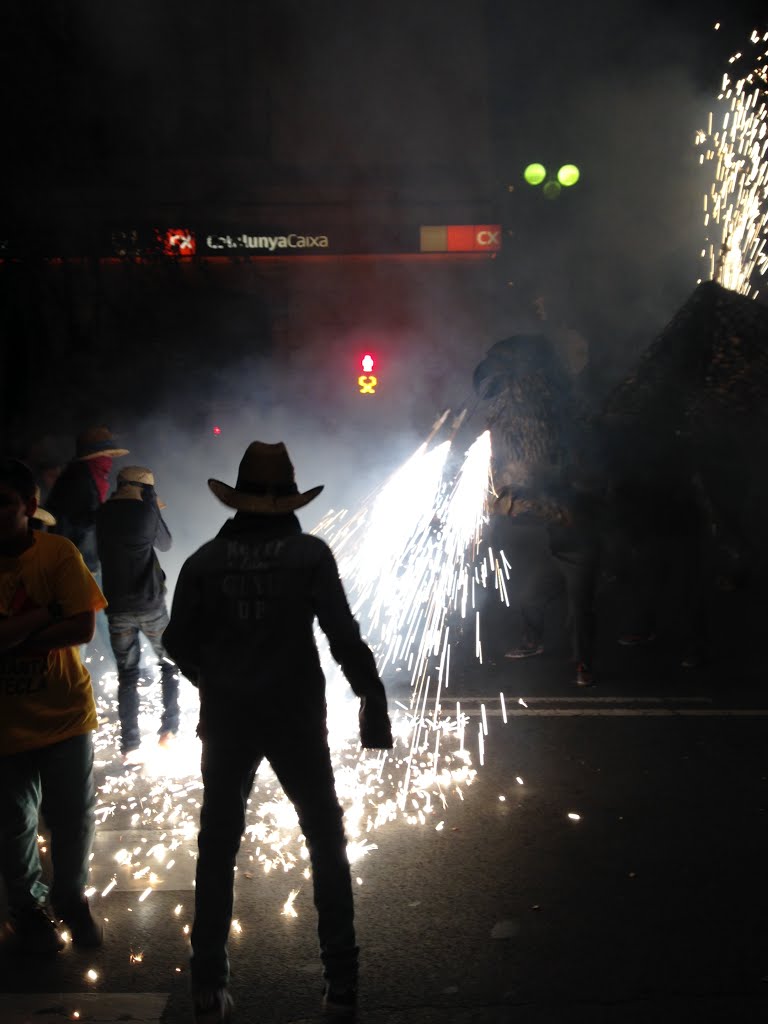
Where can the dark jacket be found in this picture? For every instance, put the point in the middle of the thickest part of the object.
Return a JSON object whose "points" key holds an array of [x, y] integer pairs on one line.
{"points": [[242, 624], [127, 532], [74, 501]]}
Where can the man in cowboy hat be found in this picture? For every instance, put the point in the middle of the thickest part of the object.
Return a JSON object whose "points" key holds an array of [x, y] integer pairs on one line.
{"points": [[77, 494], [48, 601], [242, 630], [129, 526], [82, 487]]}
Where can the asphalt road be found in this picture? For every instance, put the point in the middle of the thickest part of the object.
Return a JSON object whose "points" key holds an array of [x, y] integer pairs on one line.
{"points": [[490, 905]]}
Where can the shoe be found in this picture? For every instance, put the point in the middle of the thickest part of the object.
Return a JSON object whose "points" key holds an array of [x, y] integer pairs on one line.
{"points": [[636, 639], [525, 651], [34, 931], [340, 1001], [133, 758], [86, 931], [584, 675], [166, 740], [213, 1005]]}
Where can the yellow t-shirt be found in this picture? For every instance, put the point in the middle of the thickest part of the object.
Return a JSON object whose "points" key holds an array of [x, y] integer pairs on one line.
{"points": [[45, 698]]}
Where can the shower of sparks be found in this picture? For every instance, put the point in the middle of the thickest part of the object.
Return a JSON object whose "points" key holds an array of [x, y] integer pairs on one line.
{"points": [[736, 207], [414, 564]]}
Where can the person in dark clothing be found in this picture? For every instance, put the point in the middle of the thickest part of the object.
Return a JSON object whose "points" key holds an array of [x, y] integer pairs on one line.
{"points": [[76, 497], [665, 524], [573, 518], [129, 526], [241, 630], [81, 488]]}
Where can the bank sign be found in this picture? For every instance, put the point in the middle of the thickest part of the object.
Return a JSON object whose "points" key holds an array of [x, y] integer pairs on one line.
{"points": [[272, 243], [432, 239]]}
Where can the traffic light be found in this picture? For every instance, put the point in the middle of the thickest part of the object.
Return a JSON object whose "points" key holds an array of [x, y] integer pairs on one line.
{"points": [[366, 382], [537, 174]]}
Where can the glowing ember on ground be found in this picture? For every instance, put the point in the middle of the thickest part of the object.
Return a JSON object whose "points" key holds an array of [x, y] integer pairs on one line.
{"points": [[288, 908]]}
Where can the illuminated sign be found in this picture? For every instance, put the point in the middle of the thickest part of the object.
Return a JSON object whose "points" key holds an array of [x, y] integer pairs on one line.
{"points": [[243, 241], [177, 242], [366, 382], [265, 243], [460, 238]]}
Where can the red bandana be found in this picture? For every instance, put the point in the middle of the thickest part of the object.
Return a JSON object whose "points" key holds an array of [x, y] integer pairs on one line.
{"points": [[100, 468]]}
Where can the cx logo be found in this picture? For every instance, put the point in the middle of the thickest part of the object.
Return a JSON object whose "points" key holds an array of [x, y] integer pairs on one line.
{"points": [[488, 239]]}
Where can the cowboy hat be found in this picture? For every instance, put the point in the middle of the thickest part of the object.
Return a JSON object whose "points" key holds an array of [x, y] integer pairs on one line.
{"points": [[41, 514], [266, 482], [130, 481], [97, 441]]}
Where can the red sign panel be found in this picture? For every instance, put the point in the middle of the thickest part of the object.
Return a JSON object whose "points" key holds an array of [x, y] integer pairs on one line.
{"points": [[460, 238], [178, 242]]}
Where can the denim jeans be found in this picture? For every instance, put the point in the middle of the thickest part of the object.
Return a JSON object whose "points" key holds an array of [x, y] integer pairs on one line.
{"points": [[302, 763], [124, 630], [57, 780]]}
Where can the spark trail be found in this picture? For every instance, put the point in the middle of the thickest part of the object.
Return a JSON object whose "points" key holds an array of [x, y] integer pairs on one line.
{"points": [[736, 206], [412, 563]]}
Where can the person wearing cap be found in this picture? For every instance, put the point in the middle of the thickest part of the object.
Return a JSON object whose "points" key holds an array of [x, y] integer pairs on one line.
{"points": [[241, 630], [129, 527], [48, 602]]}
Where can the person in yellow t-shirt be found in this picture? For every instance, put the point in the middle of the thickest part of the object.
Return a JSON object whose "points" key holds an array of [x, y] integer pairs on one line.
{"points": [[48, 604]]}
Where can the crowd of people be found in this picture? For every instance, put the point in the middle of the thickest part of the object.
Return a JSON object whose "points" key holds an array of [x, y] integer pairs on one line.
{"points": [[582, 498], [240, 630]]}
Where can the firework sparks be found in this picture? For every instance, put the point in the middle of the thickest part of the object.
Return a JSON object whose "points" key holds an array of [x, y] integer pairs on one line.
{"points": [[736, 207], [413, 563], [288, 908]]}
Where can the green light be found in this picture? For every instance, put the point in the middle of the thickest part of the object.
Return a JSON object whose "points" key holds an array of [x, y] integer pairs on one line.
{"points": [[568, 175], [551, 190], [534, 174]]}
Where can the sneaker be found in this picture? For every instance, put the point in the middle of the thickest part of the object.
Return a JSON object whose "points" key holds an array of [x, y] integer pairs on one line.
{"points": [[166, 740], [34, 931], [636, 639], [525, 651], [584, 675], [86, 931], [133, 758], [340, 1001], [213, 1005]]}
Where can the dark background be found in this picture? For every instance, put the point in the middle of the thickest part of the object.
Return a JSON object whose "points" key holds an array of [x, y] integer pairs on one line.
{"points": [[350, 114]]}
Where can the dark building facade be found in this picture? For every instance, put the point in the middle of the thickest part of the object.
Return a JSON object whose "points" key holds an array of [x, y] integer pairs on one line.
{"points": [[279, 188]]}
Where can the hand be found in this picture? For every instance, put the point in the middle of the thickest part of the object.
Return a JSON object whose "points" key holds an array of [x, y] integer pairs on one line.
{"points": [[375, 727], [503, 503]]}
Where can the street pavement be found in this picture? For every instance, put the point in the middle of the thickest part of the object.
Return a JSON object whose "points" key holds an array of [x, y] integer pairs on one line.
{"points": [[606, 863]]}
